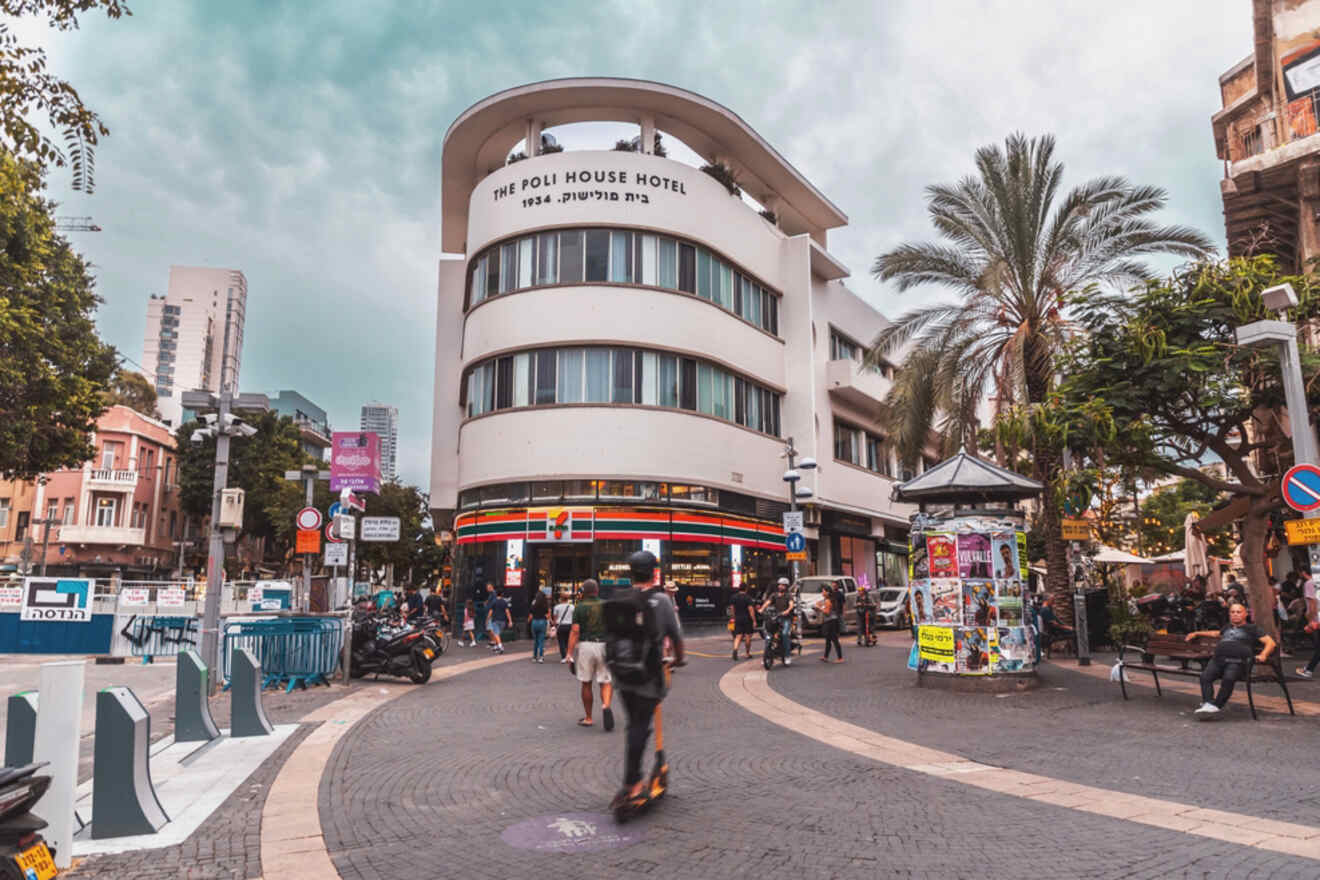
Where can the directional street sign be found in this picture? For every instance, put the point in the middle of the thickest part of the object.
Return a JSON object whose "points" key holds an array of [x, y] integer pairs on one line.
{"points": [[336, 554], [1301, 487], [334, 510], [795, 542], [308, 518]]}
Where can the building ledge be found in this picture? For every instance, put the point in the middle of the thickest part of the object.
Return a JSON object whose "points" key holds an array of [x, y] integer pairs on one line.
{"points": [[74, 534], [825, 265]]}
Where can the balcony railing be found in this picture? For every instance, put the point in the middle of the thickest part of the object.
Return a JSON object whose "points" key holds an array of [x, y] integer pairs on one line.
{"points": [[113, 478], [75, 534]]}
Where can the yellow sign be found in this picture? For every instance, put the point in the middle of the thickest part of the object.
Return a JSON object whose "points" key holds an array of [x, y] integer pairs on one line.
{"points": [[935, 643], [1076, 530], [1303, 531], [799, 556]]}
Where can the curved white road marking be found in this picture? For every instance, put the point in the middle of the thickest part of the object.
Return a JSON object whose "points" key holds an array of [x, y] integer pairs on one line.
{"points": [[746, 685]]}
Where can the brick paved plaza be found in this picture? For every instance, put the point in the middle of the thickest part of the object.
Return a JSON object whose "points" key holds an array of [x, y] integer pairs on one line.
{"points": [[429, 778]]}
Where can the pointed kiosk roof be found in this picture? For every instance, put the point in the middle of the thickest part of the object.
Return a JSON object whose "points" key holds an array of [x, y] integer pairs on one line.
{"points": [[964, 479]]}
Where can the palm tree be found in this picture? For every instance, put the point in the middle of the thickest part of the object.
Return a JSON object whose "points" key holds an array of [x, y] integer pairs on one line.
{"points": [[1011, 251]]}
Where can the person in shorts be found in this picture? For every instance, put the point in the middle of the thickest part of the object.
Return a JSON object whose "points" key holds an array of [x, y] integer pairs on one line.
{"points": [[586, 645], [469, 625], [744, 620], [497, 618]]}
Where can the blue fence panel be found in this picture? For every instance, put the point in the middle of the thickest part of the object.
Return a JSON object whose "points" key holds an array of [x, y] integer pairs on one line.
{"points": [[48, 637], [296, 650]]}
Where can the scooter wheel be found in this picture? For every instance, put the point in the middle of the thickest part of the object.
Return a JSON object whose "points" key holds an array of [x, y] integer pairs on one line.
{"points": [[767, 661]]}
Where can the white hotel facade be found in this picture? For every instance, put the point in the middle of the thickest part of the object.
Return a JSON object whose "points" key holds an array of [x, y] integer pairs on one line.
{"points": [[624, 349]]}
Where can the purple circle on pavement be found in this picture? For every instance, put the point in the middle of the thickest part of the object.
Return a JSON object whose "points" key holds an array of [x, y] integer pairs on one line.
{"points": [[570, 832]]}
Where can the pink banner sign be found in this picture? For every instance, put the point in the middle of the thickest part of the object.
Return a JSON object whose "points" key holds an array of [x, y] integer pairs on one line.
{"points": [[355, 461]]}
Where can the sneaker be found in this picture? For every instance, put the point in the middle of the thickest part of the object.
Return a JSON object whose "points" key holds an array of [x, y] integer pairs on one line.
{"points": [[788, 661], [1304, 672], [563, 660], [540, 659], [1205, 710]]}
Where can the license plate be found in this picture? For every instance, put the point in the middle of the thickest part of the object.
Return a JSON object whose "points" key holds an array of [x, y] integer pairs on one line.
{"points": [[37, 859], [429, 653]]}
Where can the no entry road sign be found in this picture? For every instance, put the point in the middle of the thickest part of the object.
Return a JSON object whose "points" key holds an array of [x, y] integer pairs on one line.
{"points": [[1301, 487]]}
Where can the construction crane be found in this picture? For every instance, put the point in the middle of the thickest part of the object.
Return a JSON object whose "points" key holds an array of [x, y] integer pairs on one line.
{"points": [[75, 224]]}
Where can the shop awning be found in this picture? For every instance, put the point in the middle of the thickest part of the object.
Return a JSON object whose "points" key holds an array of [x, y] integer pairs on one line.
{"points": [[1114, 556]]}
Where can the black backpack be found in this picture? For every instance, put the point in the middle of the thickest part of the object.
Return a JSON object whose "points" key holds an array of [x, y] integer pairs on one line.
{"points": [[632, 650]]}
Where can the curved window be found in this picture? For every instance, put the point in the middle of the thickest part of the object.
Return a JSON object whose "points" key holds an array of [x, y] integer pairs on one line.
{"points": [[625, 376], [620, 256]]}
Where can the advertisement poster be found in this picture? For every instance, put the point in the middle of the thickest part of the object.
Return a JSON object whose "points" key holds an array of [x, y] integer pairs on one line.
{"points": [[978, 603], [1022, 556], [355, 461], [921, 607], [1014, 650], [917, 567], [941, 558], [1004, 555], [936, 643], [1008, 601], [973, 651], [946, 600], [973, 556]]}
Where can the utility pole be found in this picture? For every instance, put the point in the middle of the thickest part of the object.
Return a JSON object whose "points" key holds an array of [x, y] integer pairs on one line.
{"points": [[45, 524], [223, 425], [791, 476], [309, 474], [1079, 590]]}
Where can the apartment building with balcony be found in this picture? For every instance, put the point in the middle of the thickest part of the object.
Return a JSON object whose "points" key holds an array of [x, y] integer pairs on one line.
{"points": [[1267, 135], [118, 513], [312, 423], [624, 347]]}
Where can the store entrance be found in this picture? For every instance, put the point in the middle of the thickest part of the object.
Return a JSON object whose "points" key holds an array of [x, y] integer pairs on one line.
{"points": [[559, 567]]}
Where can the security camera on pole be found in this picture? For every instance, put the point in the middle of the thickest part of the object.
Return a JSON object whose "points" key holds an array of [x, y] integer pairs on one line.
{"points": [[221, 423]]}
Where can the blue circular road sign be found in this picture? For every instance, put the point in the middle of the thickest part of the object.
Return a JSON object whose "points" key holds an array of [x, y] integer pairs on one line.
{"points": [[1301, 487], [795, 542]]}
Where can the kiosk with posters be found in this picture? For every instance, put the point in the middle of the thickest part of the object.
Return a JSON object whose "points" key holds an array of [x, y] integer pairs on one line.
{"points": [[967, 577]]}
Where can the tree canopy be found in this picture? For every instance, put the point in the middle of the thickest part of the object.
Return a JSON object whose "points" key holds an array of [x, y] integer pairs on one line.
{"points": [[131, 389], [54, 370], [26, 88]]}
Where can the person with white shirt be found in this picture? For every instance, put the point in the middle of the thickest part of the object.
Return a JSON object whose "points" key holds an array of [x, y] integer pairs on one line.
{"points": [[562, 615], [1312, 623]]}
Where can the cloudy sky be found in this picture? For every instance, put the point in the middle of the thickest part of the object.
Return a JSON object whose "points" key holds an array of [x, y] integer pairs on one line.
{"points": [[300, 142]]}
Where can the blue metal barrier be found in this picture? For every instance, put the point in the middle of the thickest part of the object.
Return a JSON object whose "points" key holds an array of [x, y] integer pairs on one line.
{"points": [[297, 650], [161, 636]]}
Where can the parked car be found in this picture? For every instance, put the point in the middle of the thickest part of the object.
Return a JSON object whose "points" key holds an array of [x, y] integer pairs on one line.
{"points": [[891, 607], [809, 591]]}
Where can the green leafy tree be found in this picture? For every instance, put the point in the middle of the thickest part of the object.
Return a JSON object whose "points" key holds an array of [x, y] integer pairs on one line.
{"points": [[1165, 368], [131, 389], [256, 465], [1014, 246], [27, 88], [412, 507], [1164, 513], [54, 370]]}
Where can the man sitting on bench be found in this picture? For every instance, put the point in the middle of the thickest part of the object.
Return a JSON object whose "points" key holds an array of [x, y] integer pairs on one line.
{"points": [[1236, 646]]}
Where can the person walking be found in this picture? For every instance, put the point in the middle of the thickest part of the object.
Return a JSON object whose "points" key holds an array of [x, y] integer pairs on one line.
{"points": [[744, 621], [831, 610], [642, 699], [563, 617], [469, 625], [539, 619], [586, 645], [1312, 616], [497, 618]]}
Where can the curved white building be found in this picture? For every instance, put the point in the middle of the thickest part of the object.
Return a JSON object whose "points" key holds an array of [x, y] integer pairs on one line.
{"points": [[625, 347]]}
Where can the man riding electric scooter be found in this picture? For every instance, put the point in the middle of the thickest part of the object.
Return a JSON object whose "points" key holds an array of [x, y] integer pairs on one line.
{"points": [[638, 622]]}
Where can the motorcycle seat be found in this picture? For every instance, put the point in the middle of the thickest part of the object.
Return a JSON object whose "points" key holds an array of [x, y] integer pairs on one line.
{"points": [[13, 774]]}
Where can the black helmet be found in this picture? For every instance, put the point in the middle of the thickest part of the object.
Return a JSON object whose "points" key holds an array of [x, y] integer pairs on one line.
{"points": [[642, 563]]}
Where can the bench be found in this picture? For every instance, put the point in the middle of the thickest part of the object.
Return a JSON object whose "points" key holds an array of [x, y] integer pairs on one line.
{"points": [[1176, 647]]}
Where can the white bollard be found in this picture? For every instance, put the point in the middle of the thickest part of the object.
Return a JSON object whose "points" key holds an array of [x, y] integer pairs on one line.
{"points": [[59, 723]]}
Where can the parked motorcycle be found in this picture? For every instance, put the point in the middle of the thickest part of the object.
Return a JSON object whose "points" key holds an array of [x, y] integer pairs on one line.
{"points": [[24, 853], [384, 644]]}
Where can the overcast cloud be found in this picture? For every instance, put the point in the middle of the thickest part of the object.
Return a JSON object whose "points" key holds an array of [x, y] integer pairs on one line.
{"points": [[301, 143]]}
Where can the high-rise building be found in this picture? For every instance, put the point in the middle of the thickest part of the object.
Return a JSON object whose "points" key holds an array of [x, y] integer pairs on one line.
{"points": [[384, 420], [194, 335], [1265, 134]]}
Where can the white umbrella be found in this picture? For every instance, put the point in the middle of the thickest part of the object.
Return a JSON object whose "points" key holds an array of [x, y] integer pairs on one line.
{"points": [[1119, 557], [1196, 561]]}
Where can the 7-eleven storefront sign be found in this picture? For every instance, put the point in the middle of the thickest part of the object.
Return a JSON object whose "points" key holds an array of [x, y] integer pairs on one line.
{"points": [[560, 524], [585, 524]]}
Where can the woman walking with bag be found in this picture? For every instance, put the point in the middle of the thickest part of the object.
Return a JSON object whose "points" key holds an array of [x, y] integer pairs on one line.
{"points": [[831, 606], [563, 618]]}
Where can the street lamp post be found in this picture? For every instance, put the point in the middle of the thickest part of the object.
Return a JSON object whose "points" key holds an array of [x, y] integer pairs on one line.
{"points": [[1283, 333], [791, 476]]}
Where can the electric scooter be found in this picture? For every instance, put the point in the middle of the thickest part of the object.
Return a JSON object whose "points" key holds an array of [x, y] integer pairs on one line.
{"points": [[658, 784]]}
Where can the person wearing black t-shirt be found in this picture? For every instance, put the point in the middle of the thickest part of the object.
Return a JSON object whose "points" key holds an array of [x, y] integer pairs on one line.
{"points": [[744, 620], [1237, 644]]}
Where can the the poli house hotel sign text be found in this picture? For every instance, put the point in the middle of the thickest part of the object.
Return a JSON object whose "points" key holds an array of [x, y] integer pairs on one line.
{"points": [[575, 186]]}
